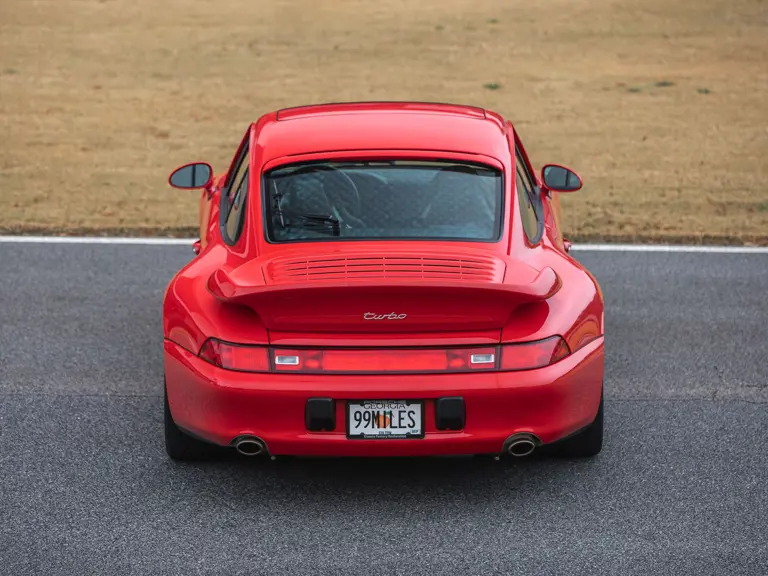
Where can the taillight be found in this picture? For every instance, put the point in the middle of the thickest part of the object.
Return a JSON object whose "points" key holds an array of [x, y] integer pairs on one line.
{"points": [[247, 358], [533, 354], [235, 356]]}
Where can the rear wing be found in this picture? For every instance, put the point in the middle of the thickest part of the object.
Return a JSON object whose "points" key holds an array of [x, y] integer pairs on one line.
{"points": [[376, 305], [226, 287]]}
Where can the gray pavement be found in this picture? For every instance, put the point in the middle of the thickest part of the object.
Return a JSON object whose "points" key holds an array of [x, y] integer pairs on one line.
{"points": [[86, 487]]}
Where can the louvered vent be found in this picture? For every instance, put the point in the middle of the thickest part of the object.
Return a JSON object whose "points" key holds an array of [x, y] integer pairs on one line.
{"points": [[334, 268]]}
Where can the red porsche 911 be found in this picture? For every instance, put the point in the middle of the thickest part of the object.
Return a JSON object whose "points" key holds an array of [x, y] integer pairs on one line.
{"points": [[382, 279]]}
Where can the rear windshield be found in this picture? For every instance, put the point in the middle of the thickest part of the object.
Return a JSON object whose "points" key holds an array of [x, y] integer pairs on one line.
{"points": [[396, 199]]}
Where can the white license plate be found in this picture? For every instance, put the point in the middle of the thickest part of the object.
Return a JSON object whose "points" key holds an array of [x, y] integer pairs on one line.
{"points": [[385, 419]]}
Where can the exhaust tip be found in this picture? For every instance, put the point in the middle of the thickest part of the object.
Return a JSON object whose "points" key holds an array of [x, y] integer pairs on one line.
{"points": [[250, 445], [521, 448], [523, 444]]}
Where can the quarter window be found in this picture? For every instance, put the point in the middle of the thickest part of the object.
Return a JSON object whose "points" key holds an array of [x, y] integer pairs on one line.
{"points": [[233, 205], [526, 195]]}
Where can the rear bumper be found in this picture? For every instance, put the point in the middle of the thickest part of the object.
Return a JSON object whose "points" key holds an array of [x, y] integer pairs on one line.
{"points": [[219, 405]]}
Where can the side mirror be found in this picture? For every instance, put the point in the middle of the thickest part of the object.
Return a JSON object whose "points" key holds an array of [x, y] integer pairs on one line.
{"points": [[560, 179], [190, 176]]}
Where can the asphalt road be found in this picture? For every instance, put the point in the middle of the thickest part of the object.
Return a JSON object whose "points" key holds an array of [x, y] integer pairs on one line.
{"points": [[86, 487]]}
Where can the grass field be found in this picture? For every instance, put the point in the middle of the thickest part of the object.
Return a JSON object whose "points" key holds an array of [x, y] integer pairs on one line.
{"points": [[661, 105]]}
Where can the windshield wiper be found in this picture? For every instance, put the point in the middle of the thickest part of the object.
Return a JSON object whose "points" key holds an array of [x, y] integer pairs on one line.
{"points": [[319, 223]]}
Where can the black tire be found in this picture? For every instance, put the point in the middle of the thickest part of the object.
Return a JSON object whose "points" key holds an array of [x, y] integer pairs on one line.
{"points": [[183, 447], [585, 444]]}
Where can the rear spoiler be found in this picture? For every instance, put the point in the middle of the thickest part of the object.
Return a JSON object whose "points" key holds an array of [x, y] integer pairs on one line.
{"points": [[249, 291]]}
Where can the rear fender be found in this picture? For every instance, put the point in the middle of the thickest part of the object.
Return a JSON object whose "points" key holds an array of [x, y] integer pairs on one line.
{"points": [[575, 312], [191, 313]]}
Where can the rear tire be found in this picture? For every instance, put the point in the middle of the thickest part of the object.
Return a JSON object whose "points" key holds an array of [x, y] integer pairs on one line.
{"points": [[181, 446], [587, 443]]}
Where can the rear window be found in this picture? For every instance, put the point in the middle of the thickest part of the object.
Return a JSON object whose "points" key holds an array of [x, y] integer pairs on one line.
{"points": [[395, 199]]}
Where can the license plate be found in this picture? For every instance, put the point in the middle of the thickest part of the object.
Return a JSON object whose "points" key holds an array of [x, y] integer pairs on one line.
{"points": [[385, 419]]}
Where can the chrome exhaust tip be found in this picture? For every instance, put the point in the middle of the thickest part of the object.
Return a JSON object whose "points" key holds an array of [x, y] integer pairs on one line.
{"points": [[522, 444], [250, 446]]}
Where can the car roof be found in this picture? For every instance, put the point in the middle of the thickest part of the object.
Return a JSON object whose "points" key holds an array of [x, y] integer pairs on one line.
{"points": [[382, 126]]}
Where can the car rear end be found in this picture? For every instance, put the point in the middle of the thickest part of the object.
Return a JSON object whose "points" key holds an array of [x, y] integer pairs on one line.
{"points": [[388, 352]]}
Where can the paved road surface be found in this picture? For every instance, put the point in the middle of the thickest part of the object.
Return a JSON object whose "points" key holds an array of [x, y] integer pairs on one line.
{"points": [[86, 488]]}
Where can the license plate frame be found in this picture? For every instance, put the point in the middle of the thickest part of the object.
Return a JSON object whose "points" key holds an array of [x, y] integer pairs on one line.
{"points": [[348, 411]]}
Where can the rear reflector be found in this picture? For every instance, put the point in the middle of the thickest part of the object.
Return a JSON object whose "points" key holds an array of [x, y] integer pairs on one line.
{"points": [[384, 361], [245, 358]]}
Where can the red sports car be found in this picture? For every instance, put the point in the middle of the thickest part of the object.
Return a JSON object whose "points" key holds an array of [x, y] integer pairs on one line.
{"points": [[382, 279]]}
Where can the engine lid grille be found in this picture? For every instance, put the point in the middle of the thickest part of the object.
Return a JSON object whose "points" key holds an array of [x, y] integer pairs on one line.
{"points": [[334, 268]]}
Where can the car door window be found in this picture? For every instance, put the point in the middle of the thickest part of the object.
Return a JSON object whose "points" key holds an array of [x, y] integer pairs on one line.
{"points": [[234, 200], [527, 198]]}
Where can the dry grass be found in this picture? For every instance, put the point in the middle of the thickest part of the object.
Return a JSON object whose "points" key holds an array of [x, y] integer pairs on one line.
{"points": [[662, 105]]}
